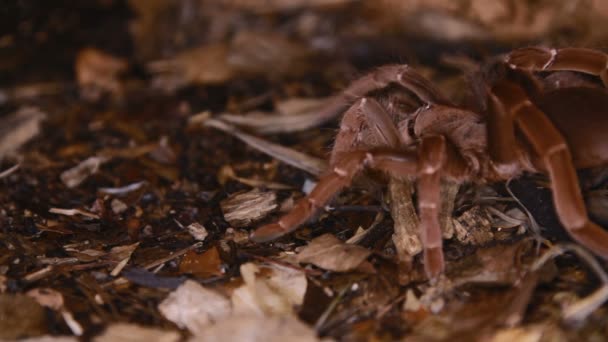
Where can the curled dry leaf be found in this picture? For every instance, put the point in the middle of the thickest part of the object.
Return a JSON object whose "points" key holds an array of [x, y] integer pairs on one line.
{"points": [[18, 128], [195, 307], [248, 328], [269, 290], [134, 333], [329, 253], [242, 209]]}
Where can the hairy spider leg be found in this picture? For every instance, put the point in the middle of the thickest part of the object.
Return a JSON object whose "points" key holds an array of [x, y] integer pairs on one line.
{"points": [[548, 143], [587, 61]]}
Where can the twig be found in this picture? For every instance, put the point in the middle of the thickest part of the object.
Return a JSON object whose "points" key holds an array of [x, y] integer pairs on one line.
{"points": [[534, 226], [330, 308], [9, 171]]}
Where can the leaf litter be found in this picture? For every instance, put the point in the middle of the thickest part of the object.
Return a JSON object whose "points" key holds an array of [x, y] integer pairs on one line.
{"points": [[126, 214]]}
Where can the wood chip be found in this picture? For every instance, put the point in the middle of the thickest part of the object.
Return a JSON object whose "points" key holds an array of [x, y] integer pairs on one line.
{"points": [[242, 209], [329, 253]]}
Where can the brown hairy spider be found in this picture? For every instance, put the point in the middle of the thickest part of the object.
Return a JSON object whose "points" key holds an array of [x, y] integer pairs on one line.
{"points": [[534, 115]]}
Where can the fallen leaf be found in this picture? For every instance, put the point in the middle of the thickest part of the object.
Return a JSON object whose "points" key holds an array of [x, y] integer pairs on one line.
{"points": [[251, 328], [269, 290], [135, 333], [328, 252], [194, 307]]}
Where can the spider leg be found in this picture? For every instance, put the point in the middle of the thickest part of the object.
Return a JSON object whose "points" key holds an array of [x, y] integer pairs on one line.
{"points": [[567, 59], [501, 131], [549, 144], [432, 158]]}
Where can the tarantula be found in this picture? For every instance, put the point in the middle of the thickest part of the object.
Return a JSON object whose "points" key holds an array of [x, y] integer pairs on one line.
{"points": [[536, 112]]}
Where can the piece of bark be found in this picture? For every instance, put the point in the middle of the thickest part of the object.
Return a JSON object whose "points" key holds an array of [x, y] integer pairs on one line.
{"points": [[243, 209]]}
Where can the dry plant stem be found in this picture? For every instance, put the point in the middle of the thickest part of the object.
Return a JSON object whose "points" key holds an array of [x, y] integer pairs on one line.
{"points": [[289, 156], [330, 308]]}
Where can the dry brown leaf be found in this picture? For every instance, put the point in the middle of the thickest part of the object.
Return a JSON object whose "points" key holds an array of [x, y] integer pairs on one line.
{"points": [[328, 252], [135, 333], [242, 209], [251, 328], [195, 307], [269, 290]]}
